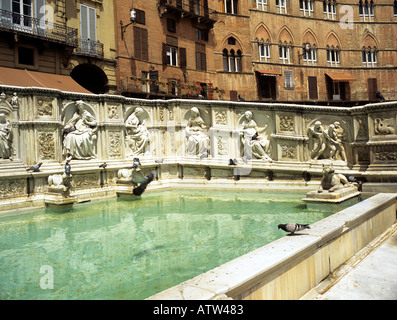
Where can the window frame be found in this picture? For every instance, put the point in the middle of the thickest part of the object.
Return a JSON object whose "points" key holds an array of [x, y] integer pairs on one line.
{"points": [[282, 6], [333, 57], [306, 6], [369, 57], [264, 47], [289, 81], [261, 5], [284, 53]]}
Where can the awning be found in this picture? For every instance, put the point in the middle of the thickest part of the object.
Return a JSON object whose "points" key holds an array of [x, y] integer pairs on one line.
{"points": [[341, 77], [28, 79], [270, 73]]}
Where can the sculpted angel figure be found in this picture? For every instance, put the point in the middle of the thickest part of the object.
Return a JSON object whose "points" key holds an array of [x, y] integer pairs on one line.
{"points": [[80, 135], [196, 134], [252, 142], [137, 135]]}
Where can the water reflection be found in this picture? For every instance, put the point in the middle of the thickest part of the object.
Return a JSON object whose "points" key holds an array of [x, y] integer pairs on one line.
{"points": [[132, 249]]}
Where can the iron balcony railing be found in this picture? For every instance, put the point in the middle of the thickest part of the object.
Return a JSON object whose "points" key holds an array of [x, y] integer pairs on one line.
{"points": [[38, 28], [90, 48], [191, 6]]}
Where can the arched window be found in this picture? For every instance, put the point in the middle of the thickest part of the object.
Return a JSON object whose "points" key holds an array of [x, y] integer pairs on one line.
{"points": [[231, 55], [395, 7], [309, 53], [264, 51], [232, 60], [284, 53], [370, 58], [333, 56]]}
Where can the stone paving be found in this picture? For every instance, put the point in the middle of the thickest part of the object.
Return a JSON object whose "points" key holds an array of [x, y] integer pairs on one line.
{"points": [[373, 278]]}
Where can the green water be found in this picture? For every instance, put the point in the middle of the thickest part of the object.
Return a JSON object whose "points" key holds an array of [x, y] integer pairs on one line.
{"points": [[114, 249]]}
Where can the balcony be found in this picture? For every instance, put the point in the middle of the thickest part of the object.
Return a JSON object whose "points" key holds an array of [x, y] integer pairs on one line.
{"points": [[90, 48], [189, 9], [36, 28]]}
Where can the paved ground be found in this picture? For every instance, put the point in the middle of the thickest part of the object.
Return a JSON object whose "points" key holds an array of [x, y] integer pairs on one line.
{"points": [[373, 278]]}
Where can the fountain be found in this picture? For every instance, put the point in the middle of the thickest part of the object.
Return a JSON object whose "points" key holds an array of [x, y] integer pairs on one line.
{"points": [[334, 188]]}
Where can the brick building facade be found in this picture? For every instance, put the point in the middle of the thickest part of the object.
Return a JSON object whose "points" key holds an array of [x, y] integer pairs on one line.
{"points": [[269, 50], [70, 38]]}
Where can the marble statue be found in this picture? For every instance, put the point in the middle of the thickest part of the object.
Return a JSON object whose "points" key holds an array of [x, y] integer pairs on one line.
{"points": [[332, 181], [334, 188], [253, 143], [80, 135], [333, 143], [5, 137], [197, 138], [326, 144], [316, 141], [137, 135]]}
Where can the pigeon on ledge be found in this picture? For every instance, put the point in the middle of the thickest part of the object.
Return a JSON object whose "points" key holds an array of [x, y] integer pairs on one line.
{"points": [[103, 165], [35, 168], [67, 168], [293, 227]]}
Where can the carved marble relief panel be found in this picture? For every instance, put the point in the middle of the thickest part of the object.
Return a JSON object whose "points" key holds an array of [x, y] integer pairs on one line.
{"points": [[12, 188], [286, 123], [46, 145], [45, 107]]}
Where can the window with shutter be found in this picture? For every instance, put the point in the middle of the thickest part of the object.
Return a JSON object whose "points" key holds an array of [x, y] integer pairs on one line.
{"points": [[88, 29], [182, 57], [141, 44], [140, 16], [313, 93], [201, 63], [372, 88]]}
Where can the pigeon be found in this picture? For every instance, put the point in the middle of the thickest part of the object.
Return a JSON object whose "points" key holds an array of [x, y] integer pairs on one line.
{"points": [[142, 187], [35, 168], [351, 178], [159, 161], [232, 162], [67, 168], [203, 155], [293, 227], [103, 165], [380, 97], [136, 163], [241, 98]]}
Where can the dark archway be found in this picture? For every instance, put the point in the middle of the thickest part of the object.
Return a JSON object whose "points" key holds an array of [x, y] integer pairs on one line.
{"points": [[91, 78]]}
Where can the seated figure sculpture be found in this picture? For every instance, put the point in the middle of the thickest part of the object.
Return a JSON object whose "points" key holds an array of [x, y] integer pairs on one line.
{"points": [[80, 135], [253, 143], [137, 135], [197, 139]]}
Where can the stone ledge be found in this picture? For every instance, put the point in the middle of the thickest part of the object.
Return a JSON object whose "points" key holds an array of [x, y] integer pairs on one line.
{"points": [[243, 275]]}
